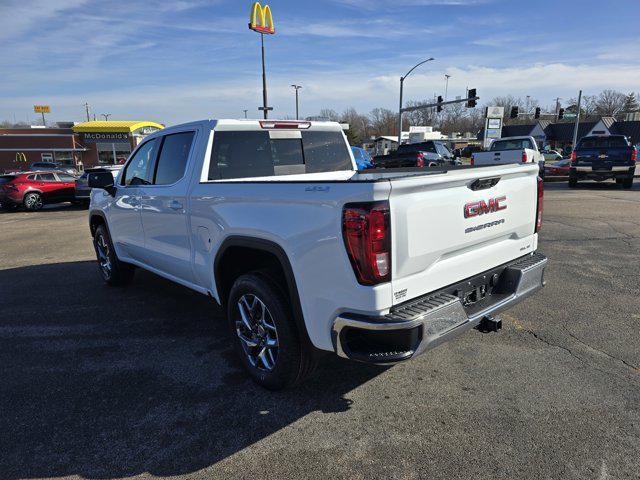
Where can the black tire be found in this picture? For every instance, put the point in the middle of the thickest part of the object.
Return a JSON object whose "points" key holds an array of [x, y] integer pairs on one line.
{"points": [[627, 182], [290, 362], [33, 202], [113, 271], [573, 181]]}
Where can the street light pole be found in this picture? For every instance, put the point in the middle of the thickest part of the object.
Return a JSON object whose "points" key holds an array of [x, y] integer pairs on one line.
{"points": [[106, 116], [245, 113], [401, 88], [86, 106], [297, 87], [446, 85]]}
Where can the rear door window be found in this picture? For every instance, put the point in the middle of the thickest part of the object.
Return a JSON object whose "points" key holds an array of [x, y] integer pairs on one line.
{"points": [[172, 161], [47, 177], [65, 177], [244, 154], [139, 170]]}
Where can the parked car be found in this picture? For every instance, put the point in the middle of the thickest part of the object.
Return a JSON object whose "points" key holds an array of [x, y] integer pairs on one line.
{"points": [[82, 190], [33, 190], [306, 254], [603, 157], [432, 153], [53, 166], [511, 150], [557, 169], [552, 155], [362, 157]]}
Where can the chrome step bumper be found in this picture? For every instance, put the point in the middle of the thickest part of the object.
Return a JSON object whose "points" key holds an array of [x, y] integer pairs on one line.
{"points": [[437, 317]]}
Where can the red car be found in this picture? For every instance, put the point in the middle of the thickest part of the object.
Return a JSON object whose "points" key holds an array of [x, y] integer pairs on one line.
{"points": [[558, 169], [35, 189]]}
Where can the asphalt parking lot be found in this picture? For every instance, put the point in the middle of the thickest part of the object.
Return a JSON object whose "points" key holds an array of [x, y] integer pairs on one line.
{"points": [[99, 382]]}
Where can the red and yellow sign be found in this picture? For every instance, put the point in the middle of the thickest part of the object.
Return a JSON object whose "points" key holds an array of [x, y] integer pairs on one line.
{"points": [[42, 109], [261, 20]]}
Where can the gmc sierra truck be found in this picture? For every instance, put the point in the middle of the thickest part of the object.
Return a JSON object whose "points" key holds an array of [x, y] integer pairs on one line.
{"points": [[306, 254], [603, 157]]}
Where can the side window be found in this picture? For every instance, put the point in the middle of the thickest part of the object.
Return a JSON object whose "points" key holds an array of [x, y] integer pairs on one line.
{"points": [[240, 155], [65, 177], [47, 177], [139, 169], [32, 177], [173, 157]]}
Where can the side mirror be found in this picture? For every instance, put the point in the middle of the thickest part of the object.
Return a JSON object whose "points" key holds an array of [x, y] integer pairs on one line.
{"points": [[103, 180]]}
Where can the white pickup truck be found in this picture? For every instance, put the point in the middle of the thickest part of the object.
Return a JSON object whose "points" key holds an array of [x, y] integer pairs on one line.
{"points": [[273, 221], [511, 150]]}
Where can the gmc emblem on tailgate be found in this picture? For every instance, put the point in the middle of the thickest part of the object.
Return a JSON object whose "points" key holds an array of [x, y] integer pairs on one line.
{"points": [[474, 209]]}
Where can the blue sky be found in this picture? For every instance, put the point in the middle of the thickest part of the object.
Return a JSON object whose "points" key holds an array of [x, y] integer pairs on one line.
{"points": [[175, 61]]}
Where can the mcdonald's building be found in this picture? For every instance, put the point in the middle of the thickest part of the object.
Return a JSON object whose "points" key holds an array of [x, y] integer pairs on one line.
{"points": [[78, 145]]}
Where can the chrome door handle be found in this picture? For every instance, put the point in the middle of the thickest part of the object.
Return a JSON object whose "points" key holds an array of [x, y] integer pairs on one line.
{"points": [[175, 205]]}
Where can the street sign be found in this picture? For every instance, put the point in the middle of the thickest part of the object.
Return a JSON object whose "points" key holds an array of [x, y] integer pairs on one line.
{"points": [[569, 115], [492, 125], [42, 109]]}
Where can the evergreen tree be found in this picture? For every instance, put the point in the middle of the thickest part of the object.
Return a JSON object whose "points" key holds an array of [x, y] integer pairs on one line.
{"points": [[631, 104]]}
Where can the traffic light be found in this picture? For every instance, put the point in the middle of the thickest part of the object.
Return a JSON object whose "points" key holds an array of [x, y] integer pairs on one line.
{"points": [[471, 102], [514, 112], [561, 113], [537, 114], [439, 107]]}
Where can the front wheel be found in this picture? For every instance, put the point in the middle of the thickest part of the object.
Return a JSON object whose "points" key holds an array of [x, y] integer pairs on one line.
{"points": [[264, 333], [33, 201], [113, 271]]}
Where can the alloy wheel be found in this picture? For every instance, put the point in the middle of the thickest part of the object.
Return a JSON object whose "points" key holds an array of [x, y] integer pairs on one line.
{"points": [[34, 201], [103, 256], [257, 332]]}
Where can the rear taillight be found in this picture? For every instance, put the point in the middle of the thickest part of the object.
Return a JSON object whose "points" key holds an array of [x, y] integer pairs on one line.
{"points": [[524, 156], [420, 161], [366, 230], [573, 156], [539, 206], [472, 160], [634, 154]]}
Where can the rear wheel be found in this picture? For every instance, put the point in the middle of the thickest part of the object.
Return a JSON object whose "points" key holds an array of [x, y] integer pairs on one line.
{"points": [[264, 332], [113, 271], [33, 201], [627, 182], [573, 181]]}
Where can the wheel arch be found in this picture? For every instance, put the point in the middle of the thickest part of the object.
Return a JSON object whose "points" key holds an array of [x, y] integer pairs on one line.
{"points": [[239, 254], [97, 218]]}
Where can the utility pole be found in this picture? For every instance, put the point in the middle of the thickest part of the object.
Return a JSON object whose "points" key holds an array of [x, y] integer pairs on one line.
{"points": [[446, 85], [296, 88], [575, 128], [401, 87], [86, 106], [245, 113]]}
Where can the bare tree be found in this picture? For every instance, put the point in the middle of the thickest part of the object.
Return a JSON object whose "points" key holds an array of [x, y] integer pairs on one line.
{"points": [[610, 102], [383, 121], [332, 115], [359, 125]]}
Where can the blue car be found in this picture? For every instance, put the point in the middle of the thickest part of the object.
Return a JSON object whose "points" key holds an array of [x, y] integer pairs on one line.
{"points": [[363, 158]]}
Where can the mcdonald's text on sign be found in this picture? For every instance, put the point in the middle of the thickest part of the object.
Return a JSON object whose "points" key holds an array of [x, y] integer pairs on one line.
{"points": [[42, 109], [261, 20]]}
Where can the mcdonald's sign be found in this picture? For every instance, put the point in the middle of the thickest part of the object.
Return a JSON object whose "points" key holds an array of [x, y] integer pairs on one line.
{"points": [[21, 157], [261, 20]]}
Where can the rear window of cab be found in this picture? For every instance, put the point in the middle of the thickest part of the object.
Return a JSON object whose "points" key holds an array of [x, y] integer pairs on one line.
{"points": [[245, 154], [603, 142]]}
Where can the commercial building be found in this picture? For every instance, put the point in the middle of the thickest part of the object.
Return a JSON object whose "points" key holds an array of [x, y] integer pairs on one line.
{"points": [[79, 145]]}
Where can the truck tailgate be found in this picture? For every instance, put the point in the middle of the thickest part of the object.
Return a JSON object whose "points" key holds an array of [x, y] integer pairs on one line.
{"points": [[454, 226]]}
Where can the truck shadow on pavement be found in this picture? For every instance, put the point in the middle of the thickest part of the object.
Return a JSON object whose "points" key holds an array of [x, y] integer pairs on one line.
{"points": [[104, 382]]}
